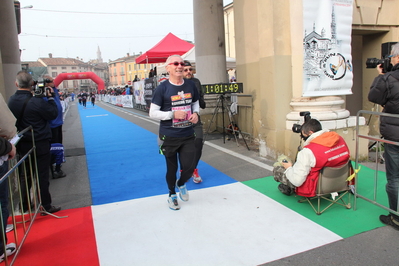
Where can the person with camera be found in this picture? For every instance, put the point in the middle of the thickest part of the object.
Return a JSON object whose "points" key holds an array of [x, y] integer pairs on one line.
{"points": [[56, 127], [176, 104], [35, 111], [199, 132], [385, 92], [322, 148]]}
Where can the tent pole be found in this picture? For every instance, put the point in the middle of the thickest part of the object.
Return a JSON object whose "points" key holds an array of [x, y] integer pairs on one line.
{"points": [[146, 67]]}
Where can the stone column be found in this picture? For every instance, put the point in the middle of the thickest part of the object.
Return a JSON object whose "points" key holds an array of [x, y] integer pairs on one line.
{"points": [[329, 110], [9, 46], [210, 51]]}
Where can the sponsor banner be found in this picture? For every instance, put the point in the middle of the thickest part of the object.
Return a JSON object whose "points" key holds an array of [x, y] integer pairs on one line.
{"points": [[118, 100], [112, 100], [127, 101], [327, 66], [105, 98], [64, 105], [139, 92], [149, 87]]}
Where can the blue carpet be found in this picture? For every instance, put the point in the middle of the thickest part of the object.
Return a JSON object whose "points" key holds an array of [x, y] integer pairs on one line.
{"points": [[123, 160]]}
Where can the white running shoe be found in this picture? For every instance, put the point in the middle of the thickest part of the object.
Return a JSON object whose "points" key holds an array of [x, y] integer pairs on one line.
{"points": [[173, 203], [183, 192]]}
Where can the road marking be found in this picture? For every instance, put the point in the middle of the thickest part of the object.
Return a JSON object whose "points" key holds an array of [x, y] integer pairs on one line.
{"points": [[96, 115], [240, 156]]}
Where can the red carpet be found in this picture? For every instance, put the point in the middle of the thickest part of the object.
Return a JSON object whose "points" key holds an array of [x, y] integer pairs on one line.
{"points": [[52, 241]]}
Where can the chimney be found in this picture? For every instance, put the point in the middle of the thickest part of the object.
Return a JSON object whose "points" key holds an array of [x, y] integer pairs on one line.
{"points": [[127, 54], [50, 55]]}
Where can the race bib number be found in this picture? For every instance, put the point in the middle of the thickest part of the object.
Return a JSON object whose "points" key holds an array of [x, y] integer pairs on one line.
{"points": [[182, 122]]}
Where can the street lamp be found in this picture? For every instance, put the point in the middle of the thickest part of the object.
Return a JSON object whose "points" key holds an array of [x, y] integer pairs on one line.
{"points": [[20, 53], [17, 8]]}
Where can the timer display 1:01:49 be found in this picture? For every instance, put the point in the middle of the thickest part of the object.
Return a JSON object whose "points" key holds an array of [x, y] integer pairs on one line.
{"points": [[222, 88]]}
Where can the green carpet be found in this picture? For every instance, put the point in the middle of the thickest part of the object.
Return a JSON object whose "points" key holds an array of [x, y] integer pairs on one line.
{"points": [[344, 222]]}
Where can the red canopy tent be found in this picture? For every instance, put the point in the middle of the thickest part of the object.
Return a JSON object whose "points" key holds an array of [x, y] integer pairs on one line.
{"points": [[169, 45]]}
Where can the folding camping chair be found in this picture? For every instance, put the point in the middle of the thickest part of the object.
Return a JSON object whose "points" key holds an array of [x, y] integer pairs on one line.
{"points": [[331, 180]]}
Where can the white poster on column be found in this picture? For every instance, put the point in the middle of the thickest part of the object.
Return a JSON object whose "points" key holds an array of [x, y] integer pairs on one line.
{"points": [[327, 66]]}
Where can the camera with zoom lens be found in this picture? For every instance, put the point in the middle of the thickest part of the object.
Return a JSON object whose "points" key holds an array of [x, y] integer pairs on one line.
{"points": [[385, 63], [40, 90], [296, 128]]}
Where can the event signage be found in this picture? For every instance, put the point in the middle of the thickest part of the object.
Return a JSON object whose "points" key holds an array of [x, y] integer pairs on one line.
{"points": [[139, 92], [327, 65], [149, 87]]}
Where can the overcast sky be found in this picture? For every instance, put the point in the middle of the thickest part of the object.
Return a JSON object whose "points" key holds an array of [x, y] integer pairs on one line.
{"points": [[75, 28]]}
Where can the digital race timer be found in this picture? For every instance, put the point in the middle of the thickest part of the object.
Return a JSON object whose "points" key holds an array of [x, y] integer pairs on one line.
{"points": [[222, 88]]}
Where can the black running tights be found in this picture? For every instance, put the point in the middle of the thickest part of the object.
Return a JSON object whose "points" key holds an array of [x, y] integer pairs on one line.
{"points": [[187, 164]]}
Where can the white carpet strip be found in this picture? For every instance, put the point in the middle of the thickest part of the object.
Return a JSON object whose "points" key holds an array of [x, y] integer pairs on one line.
{"points": [[225, 225]]}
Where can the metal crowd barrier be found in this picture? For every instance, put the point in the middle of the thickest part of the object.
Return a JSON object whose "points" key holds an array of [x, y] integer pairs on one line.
{"points": [[378, 141], [22, 222]]}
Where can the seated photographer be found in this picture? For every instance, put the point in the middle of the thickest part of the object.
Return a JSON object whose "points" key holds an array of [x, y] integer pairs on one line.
{"points": [[322, 148]]}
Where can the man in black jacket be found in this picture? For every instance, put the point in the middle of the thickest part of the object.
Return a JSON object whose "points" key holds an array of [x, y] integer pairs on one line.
{"points": [[199, 132], [37, 112], [385, 92]]}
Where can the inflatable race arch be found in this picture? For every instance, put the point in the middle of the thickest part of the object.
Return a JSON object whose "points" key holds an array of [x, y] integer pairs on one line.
{"points": [[80, 75]]}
